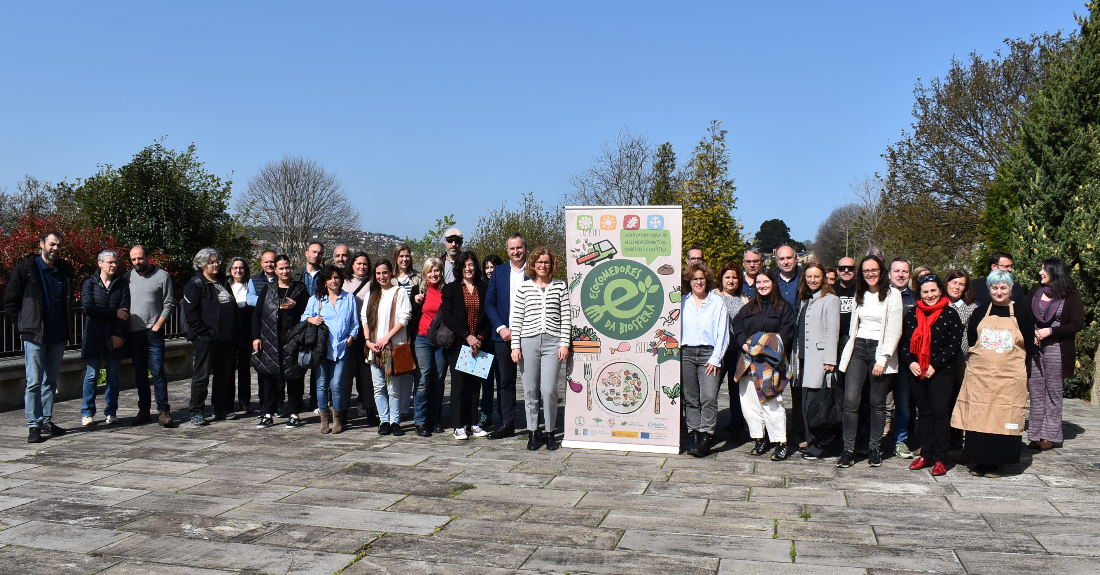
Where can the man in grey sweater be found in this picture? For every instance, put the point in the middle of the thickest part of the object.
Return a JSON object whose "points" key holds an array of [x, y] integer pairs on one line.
{"points": [[152, 300]]}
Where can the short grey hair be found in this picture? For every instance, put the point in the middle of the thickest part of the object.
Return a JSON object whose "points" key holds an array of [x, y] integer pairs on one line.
{"points": [[203, 257], [430, 264], [755, 250], [103, 255], [521, 238]]}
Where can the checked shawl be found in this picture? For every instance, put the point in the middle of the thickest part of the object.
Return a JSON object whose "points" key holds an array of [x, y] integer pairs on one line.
{"points": [[767, 364]]}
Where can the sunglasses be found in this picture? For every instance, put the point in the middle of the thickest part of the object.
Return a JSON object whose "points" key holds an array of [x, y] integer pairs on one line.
{"points": [[927, 278], [846, 268]]}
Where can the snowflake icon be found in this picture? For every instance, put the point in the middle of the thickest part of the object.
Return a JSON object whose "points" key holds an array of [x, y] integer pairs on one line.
{"points": [[656, 222], [608, 222], [584, 222]]}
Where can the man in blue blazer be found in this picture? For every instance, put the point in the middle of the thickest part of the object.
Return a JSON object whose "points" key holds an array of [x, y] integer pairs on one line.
{"points": [[502, 287]]}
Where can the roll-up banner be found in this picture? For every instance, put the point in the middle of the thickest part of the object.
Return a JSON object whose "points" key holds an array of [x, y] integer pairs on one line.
{"points": [[624, 290]]}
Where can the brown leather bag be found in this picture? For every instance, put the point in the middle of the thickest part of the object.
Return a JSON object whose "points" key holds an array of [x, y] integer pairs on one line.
{"points": [[402, 353]]}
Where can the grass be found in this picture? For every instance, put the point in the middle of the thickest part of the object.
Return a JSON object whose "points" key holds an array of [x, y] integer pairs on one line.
{"points": [[775, 528], [794, 553], [805, 514], [460, 488]]}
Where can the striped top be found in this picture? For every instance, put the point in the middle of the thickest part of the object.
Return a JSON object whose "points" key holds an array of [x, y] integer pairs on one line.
{"points": [[541, 310]]}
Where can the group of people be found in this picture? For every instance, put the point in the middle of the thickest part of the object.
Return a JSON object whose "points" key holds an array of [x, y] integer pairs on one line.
{"points": [[389, 328], [874, 352]]}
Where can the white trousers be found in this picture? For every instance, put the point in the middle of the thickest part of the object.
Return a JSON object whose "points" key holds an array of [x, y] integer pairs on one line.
{"points": [[769, 415]]}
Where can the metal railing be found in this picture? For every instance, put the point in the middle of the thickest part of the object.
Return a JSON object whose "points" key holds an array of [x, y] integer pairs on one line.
{"points": [[11, 345]]}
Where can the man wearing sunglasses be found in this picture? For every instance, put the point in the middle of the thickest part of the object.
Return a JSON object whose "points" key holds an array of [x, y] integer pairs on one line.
{"points": [[452, 239]]}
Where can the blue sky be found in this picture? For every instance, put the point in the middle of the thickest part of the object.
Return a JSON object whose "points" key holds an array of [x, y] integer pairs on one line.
{"points": [[429, 108]]}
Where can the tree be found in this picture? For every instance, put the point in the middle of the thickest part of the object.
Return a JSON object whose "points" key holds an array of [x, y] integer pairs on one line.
{"points": [[963, 126], [1053, 168], [666, 180], [834, 236], [708, 201], [164, 200], [622, 174], [295, 200], [80, 248], [431, 244], [539, 226], [37, 198], [773, 233]]}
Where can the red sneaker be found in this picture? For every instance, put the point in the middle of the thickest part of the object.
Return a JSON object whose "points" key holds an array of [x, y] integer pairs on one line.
{"points": [[939, 469], [919, 463]]}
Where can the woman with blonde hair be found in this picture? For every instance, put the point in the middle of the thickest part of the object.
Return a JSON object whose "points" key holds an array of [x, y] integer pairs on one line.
{"points": [[428, 402], [540, 342]]}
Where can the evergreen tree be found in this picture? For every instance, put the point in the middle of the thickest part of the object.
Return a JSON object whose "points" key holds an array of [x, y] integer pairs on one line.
{"points": [[1054, 172], [708, 201], [664, 176]]}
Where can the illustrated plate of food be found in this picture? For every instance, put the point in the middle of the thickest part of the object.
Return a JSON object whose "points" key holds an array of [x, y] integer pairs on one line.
{"points": [[621, 387]]}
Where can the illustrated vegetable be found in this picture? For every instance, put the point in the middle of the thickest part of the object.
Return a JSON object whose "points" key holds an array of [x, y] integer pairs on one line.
{"points": [[575, 387]]}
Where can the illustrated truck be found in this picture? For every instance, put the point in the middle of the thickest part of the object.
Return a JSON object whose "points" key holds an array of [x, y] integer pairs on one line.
{"points": [[600, 251]]}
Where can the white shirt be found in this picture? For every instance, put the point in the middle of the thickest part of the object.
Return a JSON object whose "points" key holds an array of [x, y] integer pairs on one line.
{"points": [[706, 324], [401, 316], [872, 315], [515, 279], [240, 292]]}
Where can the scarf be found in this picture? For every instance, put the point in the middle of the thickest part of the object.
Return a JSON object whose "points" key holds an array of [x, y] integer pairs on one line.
{"points": [[921, 344], [767, 363], [1045, 317]]}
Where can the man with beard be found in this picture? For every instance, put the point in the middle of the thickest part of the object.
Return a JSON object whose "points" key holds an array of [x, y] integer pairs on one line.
{"points": [[38, 300], [152, 300], [340, 255], [315, 260], [453, 241]]}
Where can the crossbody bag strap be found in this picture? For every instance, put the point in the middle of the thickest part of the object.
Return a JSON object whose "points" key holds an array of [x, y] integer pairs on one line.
{"points": [[393, 309]]}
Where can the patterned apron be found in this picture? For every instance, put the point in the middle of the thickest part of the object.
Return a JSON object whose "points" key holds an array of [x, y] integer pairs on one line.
{"points": [[993, 398]]}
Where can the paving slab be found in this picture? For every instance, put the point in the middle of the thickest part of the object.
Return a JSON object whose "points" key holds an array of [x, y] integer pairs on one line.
{"points": [[375, 565], [1068, 543], [472, 508], [239, 490], [801, 530], [138, 568], [564, 515], [521, 532], [201, 527], [655, 503], [802, 496], [635, 486], [616, 562], [224, 555], [725, 547], [986, 563], [147, 482], [686, 524], [58, 474], [462, 551], [58, 537], [1036, 524], [341, 498], [79, 514], [8, 482], [878, 556], [697, 490], [32, 560], [361, 519], [9, 468], [482, 477], [233, 473], [895, 536], [200, 504], [386, 457], [90, 494], [525, 495], [991, 505], [739, 567], [314, 538], [7, 502]]}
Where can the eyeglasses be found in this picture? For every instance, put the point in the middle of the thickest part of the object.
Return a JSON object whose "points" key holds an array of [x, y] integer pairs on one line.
{"points": [[703, 279], [871, 272], [542, 263], [752, 261], [846, 268]]}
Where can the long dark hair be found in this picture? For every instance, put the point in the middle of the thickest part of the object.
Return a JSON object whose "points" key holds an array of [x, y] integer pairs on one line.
{"points": [[968, 292], [737, 271], [465, 257], [375, 296], [321, 290], [1061, 283], [862, 285], [351, 264], [756, 304]]}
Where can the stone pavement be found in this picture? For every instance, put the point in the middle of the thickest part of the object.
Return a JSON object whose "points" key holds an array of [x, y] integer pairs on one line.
{"points": [[228, 498]]}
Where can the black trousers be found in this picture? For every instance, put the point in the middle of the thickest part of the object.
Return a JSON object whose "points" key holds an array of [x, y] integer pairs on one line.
{"points": [[857, 376], [935, 398], [506, 383], [271, 392], [313, 373], [465, 389], [213, 361], [738, 428], [244, 374]]}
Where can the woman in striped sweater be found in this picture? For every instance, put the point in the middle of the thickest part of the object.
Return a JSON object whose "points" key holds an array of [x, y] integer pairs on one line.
{"points": [[540, 342]]}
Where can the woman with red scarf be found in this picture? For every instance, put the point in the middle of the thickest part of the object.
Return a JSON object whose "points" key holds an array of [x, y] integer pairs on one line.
{"points": [[928, 353]]}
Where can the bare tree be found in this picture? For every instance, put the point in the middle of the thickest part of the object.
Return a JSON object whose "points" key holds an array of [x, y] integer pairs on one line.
{"points": [[294, 200], [621, 176], [34, 197]]}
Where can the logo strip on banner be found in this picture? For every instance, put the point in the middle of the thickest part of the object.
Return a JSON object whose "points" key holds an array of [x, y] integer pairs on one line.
{"points": [[624, 372]]}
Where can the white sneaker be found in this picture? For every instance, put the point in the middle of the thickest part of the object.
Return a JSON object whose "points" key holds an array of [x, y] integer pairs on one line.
{"points": [[317, 411], [477, 431], [87, 420], [460, 433], [111, 420]]}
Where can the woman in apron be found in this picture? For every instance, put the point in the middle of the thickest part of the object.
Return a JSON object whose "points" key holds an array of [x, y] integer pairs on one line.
{"points": [[992, 404]]}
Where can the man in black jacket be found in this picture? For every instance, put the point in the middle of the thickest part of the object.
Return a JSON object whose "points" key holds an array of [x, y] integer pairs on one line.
{"points": [[210, 309], [39, 300]]}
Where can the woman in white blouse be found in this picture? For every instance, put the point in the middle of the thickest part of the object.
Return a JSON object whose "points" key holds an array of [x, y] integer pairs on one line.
{"points": [[870, 356], [706, 333], [540, 342], [386, 299], [239, 276]]}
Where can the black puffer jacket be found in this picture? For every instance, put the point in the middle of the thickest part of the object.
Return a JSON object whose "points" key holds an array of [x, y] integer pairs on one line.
{"points": [[101, 305], [304, 337], [271, 324]]}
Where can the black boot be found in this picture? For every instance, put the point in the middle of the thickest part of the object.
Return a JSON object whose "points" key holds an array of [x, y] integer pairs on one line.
{"points": [[703, 443], [551, 443], [534, 440], [760, 447], [781, 452], [692, 442]]}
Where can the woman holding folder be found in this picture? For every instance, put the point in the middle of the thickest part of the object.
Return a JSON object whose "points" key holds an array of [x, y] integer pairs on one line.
{"points": [[463, 311]]}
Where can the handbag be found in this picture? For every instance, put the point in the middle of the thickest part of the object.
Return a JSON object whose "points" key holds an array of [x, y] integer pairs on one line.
{"points": [[825, 406], [439, 334], [401, 354]]}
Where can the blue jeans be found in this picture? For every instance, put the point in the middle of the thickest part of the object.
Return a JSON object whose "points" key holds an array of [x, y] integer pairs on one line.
{"points": [[87, 409], [43, 363], [148, 356], [428, 402], [902, 407], [387, 396], [332, 370]]}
